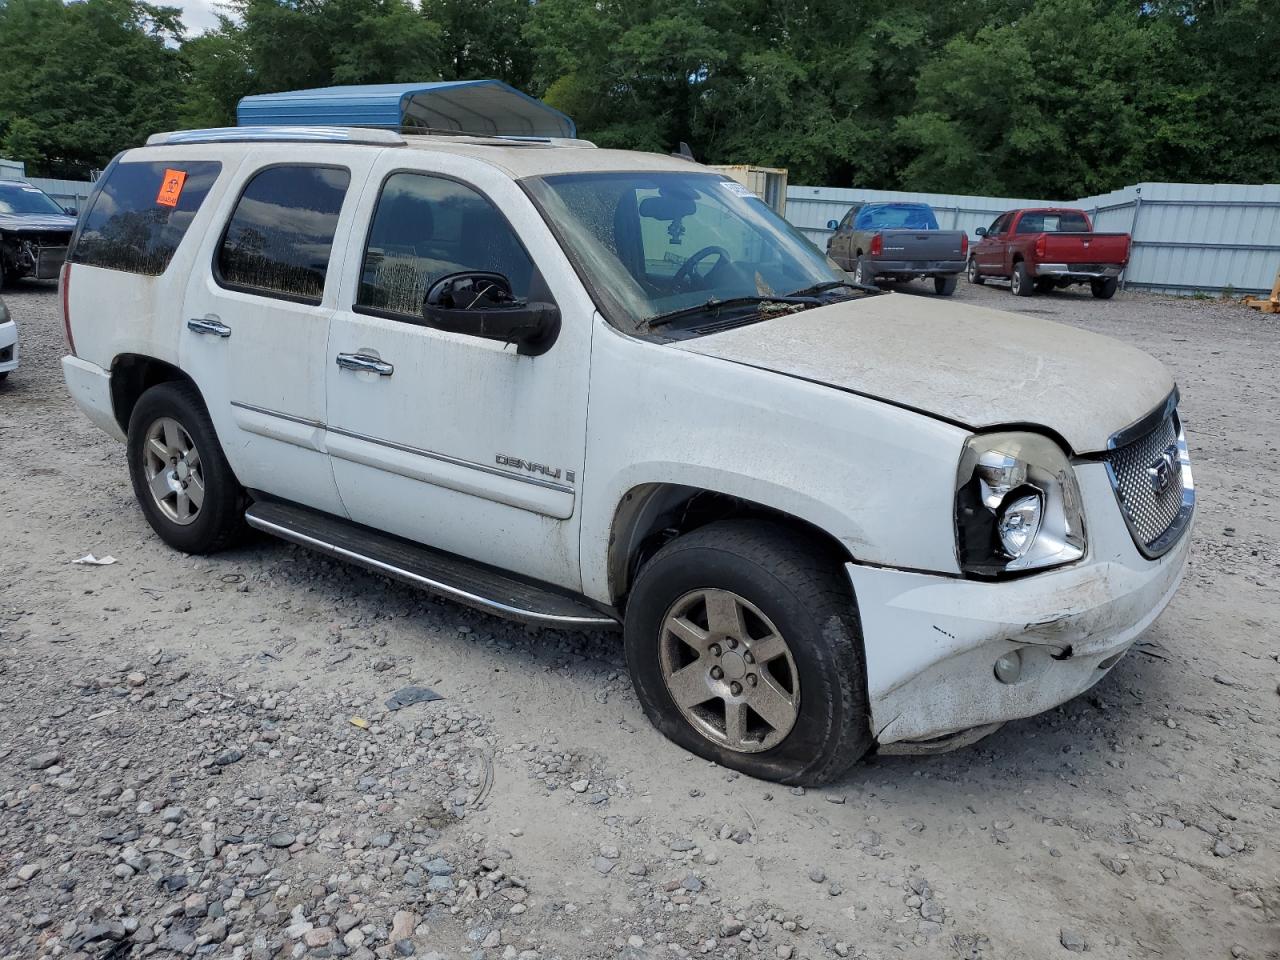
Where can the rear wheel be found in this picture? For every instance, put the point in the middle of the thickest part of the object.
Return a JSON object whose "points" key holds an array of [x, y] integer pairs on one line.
{"points": [[1020, 283], [180, 477], [971, 272], [944, 286], [1103, 289], [744, 646], [862, 274]]}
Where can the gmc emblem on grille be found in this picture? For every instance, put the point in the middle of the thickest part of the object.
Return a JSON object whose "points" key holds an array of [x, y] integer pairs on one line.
{"points": [[1164, 469]]}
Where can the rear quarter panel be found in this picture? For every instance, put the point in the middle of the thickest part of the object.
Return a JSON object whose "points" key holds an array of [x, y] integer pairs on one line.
{"points": [[114, 312]]}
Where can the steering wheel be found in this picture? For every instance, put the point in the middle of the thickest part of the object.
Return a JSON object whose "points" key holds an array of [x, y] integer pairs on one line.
{"points": [[684, 276]]}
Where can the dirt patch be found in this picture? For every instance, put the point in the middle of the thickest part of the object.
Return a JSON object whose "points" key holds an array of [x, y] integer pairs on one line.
{"points": [[1137, 821]]}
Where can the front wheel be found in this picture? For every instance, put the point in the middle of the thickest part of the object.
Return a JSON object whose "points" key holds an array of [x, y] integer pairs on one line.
{"points": [[944, 286], [1103, 289], [1020, 283], [971, 272], [180, 476], [744, 645]]}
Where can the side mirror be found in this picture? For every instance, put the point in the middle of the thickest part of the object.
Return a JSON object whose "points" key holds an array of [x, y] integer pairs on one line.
{"points": [[481, 304], [833, 224], [981, 231], [71, 211]]}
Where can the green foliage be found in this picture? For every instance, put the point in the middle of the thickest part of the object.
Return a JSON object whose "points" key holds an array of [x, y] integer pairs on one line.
{"points": [[80, 82], [1021, 97]]}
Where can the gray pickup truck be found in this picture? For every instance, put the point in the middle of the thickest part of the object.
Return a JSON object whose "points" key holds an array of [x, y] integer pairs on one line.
{"points": [[898, 241]]}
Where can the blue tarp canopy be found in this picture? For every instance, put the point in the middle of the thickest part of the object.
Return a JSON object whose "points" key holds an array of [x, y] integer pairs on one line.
{"points": [[483, 107]]}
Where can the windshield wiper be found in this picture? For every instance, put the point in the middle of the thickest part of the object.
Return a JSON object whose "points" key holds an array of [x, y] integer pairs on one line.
{"points": [[823, 287], [714, 306]]}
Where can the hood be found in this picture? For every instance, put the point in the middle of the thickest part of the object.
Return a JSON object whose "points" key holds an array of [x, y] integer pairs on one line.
{"points": [[36, 223], [970, 365]]}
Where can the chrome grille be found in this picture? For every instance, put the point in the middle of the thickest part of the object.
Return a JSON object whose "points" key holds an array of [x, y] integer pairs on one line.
{"points": [[1156, 514]]}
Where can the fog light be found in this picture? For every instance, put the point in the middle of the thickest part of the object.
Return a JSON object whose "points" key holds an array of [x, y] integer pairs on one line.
{"points": [[1009, 667]]}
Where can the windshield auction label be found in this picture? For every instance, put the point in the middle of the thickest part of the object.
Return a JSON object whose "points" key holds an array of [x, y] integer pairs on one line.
{"points": [[737, 189]]}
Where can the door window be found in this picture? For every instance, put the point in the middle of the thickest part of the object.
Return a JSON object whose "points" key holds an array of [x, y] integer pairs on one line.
{"points": [[997, 228], [278, 241], [425, 228]]}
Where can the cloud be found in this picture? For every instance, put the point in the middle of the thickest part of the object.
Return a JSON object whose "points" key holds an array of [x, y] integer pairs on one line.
{"points": [[198, 15]]}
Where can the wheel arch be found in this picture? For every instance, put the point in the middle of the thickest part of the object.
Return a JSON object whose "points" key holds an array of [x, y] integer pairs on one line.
{"points": [[132, 375], [650, 515]]}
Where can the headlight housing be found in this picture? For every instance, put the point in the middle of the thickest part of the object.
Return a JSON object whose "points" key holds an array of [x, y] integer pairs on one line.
{"points": [[1017, 505]]}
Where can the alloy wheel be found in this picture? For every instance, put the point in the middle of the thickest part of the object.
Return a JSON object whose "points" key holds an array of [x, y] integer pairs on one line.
{"points": [[729, 670], [173, 471]]}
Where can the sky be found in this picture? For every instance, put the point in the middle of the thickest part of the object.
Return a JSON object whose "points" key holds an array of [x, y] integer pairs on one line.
{"points": [[197, 15]]}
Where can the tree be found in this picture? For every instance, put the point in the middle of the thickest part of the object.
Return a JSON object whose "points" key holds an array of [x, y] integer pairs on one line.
{"points": [[80, 82]]}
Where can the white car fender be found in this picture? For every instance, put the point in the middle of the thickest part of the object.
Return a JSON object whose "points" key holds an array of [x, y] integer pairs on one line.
{"points": [[847, 464]]}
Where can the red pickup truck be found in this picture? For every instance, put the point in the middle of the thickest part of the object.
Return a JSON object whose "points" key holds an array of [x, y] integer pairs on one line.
{"points": [[1038, 250]]}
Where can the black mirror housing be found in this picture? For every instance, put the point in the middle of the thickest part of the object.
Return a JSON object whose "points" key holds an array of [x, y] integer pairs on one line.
{"points": [[481, 304], [981, 231], [833, 224]]}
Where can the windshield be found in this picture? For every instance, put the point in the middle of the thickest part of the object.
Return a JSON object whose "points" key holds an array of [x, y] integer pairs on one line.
{"points": [[22, 198], [892, 216], [650, 244]]}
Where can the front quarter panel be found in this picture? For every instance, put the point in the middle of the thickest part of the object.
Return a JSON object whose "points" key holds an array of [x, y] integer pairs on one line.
{"points": [[878, 478]]}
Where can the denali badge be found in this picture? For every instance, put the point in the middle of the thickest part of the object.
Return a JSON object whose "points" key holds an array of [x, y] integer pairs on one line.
{"points": [[1164, 469], [515, 463]]}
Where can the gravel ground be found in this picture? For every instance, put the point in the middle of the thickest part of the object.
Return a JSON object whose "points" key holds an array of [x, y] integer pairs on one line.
{"points": [[196, 757]]}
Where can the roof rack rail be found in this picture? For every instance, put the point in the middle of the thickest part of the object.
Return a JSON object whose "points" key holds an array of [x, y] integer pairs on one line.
{"points": [[381, 138]]}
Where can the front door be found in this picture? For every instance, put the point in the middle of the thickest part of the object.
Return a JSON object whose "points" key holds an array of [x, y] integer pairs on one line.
{"points": [[989, 251], [256, 317], [444, 438]]}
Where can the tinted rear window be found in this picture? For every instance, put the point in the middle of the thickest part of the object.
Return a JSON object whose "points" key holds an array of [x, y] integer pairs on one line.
{"points": [[278, 240], [141, 213]]}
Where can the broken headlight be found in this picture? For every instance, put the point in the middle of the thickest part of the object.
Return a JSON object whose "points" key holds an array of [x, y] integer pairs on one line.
{"points": [[1017, 505]]}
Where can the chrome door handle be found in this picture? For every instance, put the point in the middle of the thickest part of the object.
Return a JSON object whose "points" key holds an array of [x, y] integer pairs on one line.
{"points": [[205, 325], [365, 364]]}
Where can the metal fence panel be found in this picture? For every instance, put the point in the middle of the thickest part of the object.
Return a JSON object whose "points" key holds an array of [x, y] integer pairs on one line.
{"points": [[1187, 237], [69, 193]]}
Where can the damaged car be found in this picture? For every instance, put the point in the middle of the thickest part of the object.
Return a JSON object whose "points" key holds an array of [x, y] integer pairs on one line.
{"points": [[34, 232], [596, 388]]}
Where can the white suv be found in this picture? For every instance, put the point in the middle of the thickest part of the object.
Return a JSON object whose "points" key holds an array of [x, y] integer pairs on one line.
{"points": [[588, 387]]}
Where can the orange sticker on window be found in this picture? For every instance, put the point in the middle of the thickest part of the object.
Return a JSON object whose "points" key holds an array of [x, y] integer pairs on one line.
{"points": [[171, 188]]}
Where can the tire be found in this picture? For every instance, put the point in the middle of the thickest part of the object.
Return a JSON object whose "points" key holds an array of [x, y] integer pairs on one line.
{"points": [[1103, 289], [971, 272], [790, 587], [1020, 284], [175, 416], [945, 286], [861, 273]]}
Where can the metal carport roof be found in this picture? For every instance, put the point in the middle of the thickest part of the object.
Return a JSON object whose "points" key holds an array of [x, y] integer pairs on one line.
{"points": [[484, 107]]}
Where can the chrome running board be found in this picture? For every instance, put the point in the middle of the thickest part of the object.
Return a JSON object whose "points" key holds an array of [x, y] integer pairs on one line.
{"points": [[455, 578]]}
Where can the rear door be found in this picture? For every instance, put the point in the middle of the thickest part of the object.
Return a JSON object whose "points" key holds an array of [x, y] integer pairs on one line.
{"points": [[256, 316], [441, 437]]}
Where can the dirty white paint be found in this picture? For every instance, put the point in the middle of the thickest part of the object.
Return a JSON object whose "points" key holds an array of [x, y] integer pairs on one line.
{"points": [[979, 367]]}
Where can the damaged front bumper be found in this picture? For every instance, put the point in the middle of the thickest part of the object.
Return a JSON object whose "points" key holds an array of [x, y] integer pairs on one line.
{"points": [[34, 255], [932, 641]]}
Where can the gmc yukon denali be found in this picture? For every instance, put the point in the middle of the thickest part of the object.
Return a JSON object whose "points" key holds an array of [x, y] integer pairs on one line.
{"points": [[591, 388]]}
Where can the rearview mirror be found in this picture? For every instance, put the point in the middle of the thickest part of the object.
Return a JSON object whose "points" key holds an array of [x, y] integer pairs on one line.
{"points": [[981, 231], [833, 224], [481, 304]]}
